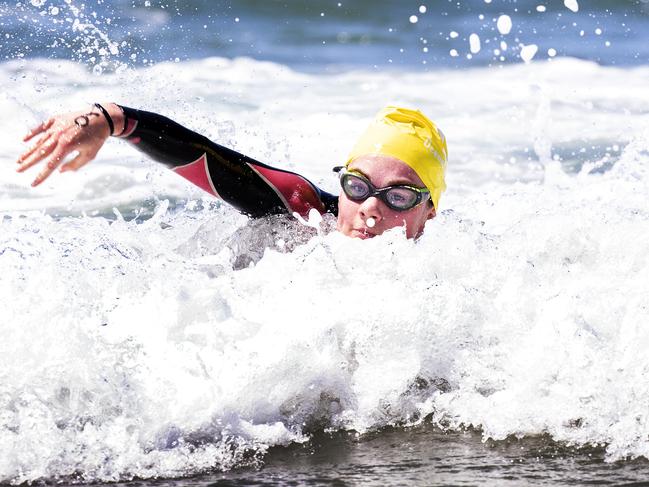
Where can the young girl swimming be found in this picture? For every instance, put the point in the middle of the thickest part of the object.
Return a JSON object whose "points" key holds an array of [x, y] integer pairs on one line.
{"points": [[393, 177]]}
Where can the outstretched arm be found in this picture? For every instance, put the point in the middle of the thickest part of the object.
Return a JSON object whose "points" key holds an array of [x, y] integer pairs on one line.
{"points": [[250, 186]]}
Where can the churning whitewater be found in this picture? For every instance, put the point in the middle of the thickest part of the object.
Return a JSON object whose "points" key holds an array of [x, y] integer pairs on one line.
{"points": [[151, 332]]}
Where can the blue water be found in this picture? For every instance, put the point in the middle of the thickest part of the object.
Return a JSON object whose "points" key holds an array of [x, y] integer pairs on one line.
{"points": [[323, 34]]}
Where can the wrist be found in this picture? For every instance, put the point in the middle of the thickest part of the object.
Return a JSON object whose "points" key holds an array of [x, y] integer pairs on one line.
{"points": [[116, 115]]}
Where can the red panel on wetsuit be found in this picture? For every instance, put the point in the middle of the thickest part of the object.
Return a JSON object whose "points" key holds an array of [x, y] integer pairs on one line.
{"points": [[296, 191], [196, 172]]}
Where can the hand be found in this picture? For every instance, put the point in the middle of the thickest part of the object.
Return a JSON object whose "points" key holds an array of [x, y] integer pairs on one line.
{"points": [[60, 136]]}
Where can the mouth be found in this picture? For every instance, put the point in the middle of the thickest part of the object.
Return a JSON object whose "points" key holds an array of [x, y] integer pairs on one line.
{"points": [[362, 233]]}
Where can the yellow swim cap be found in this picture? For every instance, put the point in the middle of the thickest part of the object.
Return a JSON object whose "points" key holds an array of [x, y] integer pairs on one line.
{"points": [[411, 137]]}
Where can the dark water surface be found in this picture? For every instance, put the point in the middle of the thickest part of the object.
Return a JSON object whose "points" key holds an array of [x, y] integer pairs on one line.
{"points": [[322, 34], [425, 455]]}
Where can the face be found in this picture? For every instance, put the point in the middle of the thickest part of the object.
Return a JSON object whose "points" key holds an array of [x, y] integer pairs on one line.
{"points": [[382, 171]]}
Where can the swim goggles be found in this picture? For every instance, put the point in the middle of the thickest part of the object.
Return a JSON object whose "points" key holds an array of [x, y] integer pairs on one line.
{"points": [[399, 197]]}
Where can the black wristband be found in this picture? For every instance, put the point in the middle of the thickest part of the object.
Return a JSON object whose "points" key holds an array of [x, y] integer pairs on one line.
{"points": [[111, 125], [125, 120]]}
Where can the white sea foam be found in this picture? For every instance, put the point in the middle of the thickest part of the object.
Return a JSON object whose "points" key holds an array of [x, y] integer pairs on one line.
{"points": [[153, 349]]}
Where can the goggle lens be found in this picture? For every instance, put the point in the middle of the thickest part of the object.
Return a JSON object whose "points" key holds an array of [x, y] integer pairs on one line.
{"points": [[355, 187], [402, 198]]}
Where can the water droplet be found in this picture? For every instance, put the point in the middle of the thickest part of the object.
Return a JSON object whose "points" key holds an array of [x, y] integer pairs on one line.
{"points": [[571, 5], [528, 52], [504, 24], [474, 43]]}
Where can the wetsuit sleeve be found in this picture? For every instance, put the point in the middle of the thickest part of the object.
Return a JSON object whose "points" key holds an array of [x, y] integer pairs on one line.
{"points": [[250, 186]]}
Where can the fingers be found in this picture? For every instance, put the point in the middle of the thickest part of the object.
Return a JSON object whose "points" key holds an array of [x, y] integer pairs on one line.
{"points": [[62, 144], [52, 163], [33, 148], [77, 163], [37, 154], [42, 127]]}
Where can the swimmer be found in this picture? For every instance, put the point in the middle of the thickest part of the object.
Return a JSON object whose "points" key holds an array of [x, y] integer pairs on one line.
{"points": [[394, 176]]}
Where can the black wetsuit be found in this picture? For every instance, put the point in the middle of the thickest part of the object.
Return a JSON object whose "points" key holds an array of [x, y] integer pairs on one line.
{"points": [[250, 186]]}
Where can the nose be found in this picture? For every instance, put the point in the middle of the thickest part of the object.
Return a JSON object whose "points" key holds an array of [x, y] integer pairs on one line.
{"points": [[371, 208]]}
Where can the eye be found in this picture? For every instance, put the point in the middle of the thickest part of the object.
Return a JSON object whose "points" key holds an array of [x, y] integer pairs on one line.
{"points": [[401, 197], [355, 187]]}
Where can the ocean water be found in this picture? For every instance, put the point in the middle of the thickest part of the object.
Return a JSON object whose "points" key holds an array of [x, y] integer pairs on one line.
{"points": [[325, 34], [151, 334]]}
